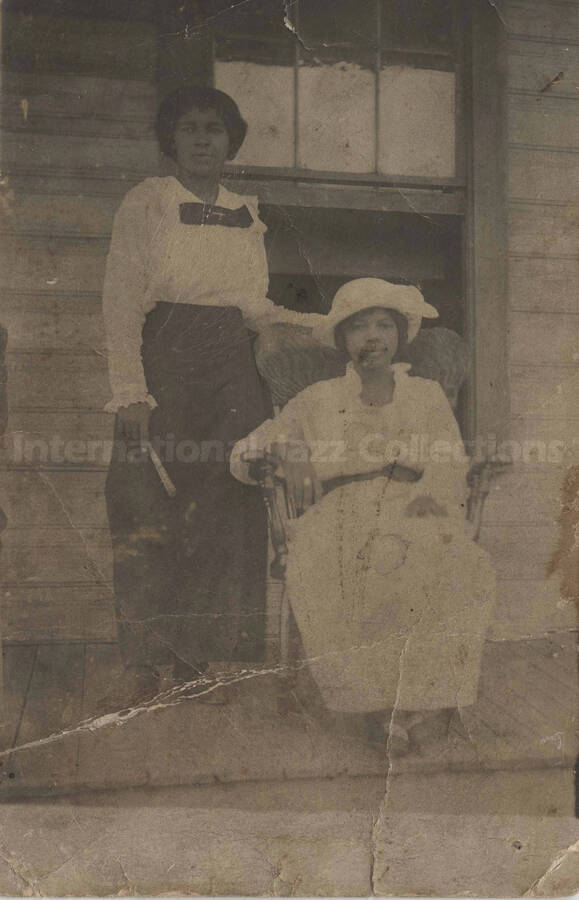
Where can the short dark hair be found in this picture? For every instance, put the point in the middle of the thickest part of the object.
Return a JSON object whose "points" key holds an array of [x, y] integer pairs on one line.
{"points": [[400, 321], [189, 97]]}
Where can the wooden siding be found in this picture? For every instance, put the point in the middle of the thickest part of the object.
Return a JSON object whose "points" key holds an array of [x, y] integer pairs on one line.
{"points": [[43, 42], [543, 182], [73, 145]]}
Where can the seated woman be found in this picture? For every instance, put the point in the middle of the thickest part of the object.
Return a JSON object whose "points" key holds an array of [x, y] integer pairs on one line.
{"points": [[391, 598]]}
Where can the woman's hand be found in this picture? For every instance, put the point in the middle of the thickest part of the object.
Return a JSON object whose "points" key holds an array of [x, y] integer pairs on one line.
{"points": [[133, 422], [425, 505], [303, 485]]}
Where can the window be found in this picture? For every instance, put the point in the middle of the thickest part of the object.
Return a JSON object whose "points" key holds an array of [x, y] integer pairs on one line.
{"points": [[367, 87]]}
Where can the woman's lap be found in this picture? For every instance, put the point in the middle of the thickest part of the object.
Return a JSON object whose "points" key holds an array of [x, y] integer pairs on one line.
{"points": [[364, 598]]}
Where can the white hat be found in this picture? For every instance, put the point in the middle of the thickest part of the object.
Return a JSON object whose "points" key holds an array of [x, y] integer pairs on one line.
{"points": [[365, 293]]}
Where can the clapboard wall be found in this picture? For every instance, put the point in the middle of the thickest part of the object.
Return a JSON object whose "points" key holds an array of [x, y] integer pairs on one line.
{"points": [[542, 128], [78, 98]]}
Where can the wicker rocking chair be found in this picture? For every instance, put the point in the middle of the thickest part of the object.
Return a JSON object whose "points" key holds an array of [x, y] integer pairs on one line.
{"points": [[294, 362]]}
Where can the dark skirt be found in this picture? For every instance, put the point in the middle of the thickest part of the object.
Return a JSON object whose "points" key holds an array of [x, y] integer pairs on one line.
{"points": [[190, 570]]}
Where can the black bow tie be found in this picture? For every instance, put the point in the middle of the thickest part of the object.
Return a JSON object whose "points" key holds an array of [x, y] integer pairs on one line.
{"points": [[204, 214]]}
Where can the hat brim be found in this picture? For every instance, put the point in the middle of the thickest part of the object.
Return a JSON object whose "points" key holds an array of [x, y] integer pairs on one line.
{"points": [[325, 332]]}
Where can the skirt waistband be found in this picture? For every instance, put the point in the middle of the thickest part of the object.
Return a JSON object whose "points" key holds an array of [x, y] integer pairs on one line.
{"points": [[174, 316]]}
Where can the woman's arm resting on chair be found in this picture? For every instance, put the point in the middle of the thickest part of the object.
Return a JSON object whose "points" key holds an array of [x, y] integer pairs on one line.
{"points": [[282, 437], [303, 485]]}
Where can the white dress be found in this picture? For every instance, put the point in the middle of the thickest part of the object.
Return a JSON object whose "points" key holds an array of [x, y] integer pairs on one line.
{"points": [[392, 610]]}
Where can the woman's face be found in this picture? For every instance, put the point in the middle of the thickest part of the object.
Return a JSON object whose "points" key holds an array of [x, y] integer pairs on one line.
{"points": [[201, 143], [371, 338]]}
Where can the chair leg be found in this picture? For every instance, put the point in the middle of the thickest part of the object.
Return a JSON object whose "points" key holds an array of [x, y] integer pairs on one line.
{"points": [[284, 630]]}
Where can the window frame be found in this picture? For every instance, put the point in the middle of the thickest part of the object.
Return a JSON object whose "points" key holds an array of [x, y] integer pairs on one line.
{"points": [[486, 226], [297, 172]]}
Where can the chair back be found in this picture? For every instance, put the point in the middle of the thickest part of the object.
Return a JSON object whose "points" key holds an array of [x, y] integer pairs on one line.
{"points": [[290, 360]]}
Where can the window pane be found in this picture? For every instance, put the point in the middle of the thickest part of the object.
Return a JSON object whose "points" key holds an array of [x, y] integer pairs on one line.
{"points": [[270, 51], [350, 243], [254, 63], [417, 122], [418, 24], [263, 18], [336, 114], [265, 94], [352, 21]]}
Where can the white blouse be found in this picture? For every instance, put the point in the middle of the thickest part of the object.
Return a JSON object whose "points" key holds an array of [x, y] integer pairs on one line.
{"points": [[346, 437], [153, 257]]}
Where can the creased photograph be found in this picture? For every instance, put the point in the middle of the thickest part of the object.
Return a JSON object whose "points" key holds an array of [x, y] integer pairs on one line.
{"points": [[289, 468]]}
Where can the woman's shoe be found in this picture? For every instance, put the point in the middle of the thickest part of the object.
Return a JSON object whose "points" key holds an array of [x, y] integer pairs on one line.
{"points": [[375, 728], [397, 740], [430, 730], [381, 731]]}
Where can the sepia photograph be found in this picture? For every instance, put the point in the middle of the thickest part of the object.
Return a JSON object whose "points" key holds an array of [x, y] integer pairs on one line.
{"points": [[289, 462]]}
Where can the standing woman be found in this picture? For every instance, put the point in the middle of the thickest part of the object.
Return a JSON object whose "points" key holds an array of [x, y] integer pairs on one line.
{"points": [[185, 290]]}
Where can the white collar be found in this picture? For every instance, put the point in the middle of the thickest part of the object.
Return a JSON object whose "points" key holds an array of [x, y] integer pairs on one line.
{"points": [[225, 198], [353, 383], [399, 369]]}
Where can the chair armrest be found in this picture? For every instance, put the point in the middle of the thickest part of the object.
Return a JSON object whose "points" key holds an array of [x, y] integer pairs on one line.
{"points": [[479, 479]]}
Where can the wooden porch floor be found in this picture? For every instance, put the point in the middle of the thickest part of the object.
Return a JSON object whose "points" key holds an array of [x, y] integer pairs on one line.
{"points": [[525, 717]]}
